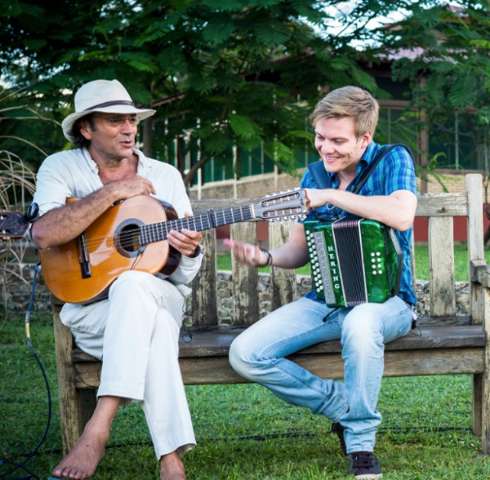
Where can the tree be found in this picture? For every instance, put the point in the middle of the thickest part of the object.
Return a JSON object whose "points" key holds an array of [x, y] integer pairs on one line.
{"points": [[225, 72], [447, 57]]}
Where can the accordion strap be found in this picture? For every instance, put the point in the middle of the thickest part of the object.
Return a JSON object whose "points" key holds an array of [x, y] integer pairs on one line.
{"points": [[322, 179]]}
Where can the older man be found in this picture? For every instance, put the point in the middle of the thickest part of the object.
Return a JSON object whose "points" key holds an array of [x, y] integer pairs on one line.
{"points": [[135, 330]]}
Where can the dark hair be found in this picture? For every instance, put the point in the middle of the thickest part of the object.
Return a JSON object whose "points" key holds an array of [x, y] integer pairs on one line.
{"points": [[79, 140]]}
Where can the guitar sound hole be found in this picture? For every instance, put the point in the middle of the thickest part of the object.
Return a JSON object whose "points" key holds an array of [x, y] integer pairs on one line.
{"points": [[128, 239]]}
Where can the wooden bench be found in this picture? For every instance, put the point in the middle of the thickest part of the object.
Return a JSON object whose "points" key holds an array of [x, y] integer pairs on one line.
{"points": [[442, 343]]}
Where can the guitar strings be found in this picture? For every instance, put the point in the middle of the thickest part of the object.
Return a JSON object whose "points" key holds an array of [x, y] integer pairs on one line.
{"points": [[177, 224], [232, 215]]}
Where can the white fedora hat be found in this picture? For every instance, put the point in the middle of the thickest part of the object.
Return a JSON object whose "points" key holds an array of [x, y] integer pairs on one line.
{"points": [[107, 96]]}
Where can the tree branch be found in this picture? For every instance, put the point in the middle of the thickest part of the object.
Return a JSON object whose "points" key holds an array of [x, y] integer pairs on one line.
{"points": [[190, 174]]}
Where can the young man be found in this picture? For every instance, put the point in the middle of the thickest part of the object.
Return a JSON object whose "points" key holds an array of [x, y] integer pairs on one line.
{"points": [[344, 122], [136, 329]]}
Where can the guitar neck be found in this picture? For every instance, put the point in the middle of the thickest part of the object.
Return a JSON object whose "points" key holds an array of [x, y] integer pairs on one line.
{"points": [[157, 232]]}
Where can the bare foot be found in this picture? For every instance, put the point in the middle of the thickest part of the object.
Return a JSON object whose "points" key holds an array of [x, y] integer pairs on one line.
{"points": [[171, 467], [82, 460]]}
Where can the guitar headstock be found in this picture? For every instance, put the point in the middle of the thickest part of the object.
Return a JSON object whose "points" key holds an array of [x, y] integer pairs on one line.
{"points": [[12, 225], [279, 206]]}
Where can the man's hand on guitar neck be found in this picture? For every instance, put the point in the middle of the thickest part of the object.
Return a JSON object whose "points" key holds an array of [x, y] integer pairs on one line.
{"points": [[185, 241]]}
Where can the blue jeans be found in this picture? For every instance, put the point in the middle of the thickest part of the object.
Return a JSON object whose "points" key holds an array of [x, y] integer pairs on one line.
{"points": [[258, 354]]}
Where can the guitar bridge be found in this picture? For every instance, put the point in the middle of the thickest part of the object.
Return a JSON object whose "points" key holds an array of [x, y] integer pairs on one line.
{"points": [[83, 257]]}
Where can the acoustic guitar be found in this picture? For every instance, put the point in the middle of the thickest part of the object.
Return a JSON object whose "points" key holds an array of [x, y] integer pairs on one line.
{"points": [[132, 235]]}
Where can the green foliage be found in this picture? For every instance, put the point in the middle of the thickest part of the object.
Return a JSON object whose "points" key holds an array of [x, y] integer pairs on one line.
{"points": [[451, 53], [236, 72], [226, 72], [425, 172], [20, 116]]}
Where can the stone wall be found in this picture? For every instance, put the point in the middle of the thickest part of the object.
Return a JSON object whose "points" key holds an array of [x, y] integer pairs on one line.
{"points": [[224, 295], [16, 299], [15, 289]]}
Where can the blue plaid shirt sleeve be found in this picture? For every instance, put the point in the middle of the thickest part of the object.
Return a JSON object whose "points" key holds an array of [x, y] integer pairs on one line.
{"points": [[399, 172]]}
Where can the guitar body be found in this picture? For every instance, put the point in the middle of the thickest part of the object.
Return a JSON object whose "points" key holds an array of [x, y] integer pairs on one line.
{"points": [[82, 270]]}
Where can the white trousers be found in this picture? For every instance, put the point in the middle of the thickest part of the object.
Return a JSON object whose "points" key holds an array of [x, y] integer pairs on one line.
{"points": [[136, 334]]}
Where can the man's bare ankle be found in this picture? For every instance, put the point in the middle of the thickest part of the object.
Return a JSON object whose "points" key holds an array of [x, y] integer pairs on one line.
{"points": [[171, 467], [98, 430]]}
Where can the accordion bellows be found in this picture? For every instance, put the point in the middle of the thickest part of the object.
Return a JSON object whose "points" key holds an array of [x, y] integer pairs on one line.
{"points": [[353, 261]]}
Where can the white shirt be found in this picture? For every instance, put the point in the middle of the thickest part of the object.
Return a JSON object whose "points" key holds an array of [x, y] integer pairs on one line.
{"points": [[73, 173]]}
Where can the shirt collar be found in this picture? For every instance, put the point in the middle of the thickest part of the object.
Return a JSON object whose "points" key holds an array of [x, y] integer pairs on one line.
{"points": [[369, 153], [366, 159], [142, 161]]}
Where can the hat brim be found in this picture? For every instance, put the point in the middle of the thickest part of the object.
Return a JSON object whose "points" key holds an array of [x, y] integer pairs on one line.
{"points": [[69, 121]]}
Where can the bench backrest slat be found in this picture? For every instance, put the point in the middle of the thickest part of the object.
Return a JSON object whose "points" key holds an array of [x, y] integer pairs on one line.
{"points": [[283, 281], [441, 266], [204, 306], [442, 205], [474, 189], [245, 279], [476, 251]]}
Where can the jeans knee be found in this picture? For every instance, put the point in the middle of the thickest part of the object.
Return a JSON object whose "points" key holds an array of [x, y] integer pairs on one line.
{"points": [[362, 330], [241, 359]]}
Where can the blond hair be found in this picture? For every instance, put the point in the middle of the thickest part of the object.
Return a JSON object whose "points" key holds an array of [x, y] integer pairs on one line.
{"points": [[353, 102]]}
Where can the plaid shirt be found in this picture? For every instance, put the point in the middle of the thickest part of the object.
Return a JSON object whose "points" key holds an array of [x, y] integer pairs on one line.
{"points": [[395, 172]]}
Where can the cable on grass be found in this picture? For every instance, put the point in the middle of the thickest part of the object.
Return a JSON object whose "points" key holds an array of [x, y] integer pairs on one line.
{"points": [[28, 456]]}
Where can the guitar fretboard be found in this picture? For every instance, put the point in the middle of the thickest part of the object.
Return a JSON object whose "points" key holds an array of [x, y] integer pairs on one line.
{"points": [[157, 232]]}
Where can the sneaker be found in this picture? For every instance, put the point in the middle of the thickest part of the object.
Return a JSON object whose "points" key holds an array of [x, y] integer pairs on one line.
{"points": [[338, 429], [365, 466]]}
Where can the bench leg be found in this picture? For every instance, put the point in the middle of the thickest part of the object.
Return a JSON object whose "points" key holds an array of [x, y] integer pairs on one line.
{"points": [[485, 405], [76, 406], [477, 403], [483, 312]]}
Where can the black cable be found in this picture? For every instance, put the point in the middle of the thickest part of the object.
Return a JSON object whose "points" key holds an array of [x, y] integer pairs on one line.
{"points": [[18, 466], [35, 354]]}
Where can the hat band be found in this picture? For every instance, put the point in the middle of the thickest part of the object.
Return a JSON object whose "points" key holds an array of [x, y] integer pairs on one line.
{"points": [[110, 104]]}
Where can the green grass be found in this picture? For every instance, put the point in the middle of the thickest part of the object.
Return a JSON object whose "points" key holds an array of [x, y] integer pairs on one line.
{"points": [[244, 432], [421, 262]]}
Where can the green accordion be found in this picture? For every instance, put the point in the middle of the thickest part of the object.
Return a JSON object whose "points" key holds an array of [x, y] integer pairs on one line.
{"points": [[353, 261]]}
